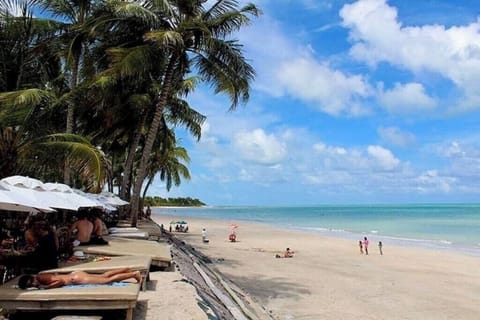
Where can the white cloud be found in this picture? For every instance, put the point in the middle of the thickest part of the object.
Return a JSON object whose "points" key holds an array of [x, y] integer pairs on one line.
{"points": [[404, 98], [257, 146], [396, 137], [452, 52], [454, 150], [294, 71], [329, 90], [322, 148], [383, 157], [430, 181]]}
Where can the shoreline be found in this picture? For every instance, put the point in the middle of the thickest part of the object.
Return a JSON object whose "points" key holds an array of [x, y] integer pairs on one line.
{"points": [[329, 279], [444, 244]]}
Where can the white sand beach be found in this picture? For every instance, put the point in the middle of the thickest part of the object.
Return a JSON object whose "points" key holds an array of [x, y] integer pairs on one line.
{"points": [[329, 279], [168, 297]]}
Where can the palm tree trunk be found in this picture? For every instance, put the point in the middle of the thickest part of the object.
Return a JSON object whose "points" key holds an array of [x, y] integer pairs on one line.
{"points": [[149, 183], [70, 119], [151, 136], [127, 173], [27, 24]]}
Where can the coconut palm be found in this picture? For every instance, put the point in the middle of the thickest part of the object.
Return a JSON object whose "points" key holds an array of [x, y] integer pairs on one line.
{"points": [[31, 150], [170, 163], [195, 39], [25, 60]]}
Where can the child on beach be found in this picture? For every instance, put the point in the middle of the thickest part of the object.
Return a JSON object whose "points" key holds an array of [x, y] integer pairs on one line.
{"points": [[380, 246], [365, 245], [360, 246]]}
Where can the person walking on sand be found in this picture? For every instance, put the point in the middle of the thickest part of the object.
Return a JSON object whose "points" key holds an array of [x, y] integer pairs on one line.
{"points": [[380, 246], [365, 245], [360, 245]]}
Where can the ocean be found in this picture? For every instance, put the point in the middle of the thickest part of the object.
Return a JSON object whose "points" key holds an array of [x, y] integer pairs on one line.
{"points": [[453, 227]]}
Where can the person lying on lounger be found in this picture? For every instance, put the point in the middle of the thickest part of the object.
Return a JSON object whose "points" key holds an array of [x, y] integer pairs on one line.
{"points": [[54, 280]]}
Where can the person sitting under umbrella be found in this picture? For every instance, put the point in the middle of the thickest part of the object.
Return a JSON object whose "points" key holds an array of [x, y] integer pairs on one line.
{"points": [[82, 226]]}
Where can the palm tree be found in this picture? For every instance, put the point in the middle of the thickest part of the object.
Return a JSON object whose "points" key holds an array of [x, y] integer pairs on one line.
{"points": [[25, 60], [78, 26], [195, 38], [169, 162], [31, 150]]}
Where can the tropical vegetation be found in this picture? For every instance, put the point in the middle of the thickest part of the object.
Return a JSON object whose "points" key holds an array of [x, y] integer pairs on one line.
{"points": [[172, 202], [92, 92]]}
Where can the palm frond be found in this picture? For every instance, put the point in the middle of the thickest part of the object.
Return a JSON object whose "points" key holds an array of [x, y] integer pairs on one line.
{"points": [[133, 10], [25, 97], [225, 68], [180, 113], [129, 62], [140, 100], [83, 157], [165, 38]]}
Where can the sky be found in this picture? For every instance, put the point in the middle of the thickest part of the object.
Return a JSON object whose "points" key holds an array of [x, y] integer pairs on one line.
{"points": [[354, 102]]}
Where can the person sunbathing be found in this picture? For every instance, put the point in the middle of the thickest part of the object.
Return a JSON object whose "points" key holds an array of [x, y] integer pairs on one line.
{"points": [[54, 280], [288, 253]]}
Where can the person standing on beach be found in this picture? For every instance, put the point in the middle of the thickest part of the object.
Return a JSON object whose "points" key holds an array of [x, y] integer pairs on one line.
{"points": [[149, 211], [365, 245], [204, 236], [380, 246], [360, 245]]}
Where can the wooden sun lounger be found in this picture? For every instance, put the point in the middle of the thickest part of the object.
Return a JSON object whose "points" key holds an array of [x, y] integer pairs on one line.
{"points": [[122, 229], [144, 225], [131, 235], [134, 263], [97, 297], [158, 252]]}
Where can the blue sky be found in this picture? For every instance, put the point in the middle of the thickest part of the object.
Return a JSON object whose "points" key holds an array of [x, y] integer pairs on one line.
{"points": [[368, 101]]}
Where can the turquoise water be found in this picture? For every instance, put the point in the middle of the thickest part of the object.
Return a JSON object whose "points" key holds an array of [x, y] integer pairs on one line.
{"points": [[449, 227]]}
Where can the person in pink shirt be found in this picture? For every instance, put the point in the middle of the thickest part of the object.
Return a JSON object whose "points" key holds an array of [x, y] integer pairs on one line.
{"points": [[365, 245]]}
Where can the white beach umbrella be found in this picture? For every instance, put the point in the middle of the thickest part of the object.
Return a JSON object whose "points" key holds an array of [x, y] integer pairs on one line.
{"points": [[47, 198], [70, 194], [113, 199], [50, 195], [60, 187], [94, 197], [14, 201], [24, 182]]}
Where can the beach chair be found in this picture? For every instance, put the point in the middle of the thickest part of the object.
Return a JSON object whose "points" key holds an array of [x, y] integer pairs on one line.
{"points": [[158, 252], [134, 263], [128, 232], [81, 297]]}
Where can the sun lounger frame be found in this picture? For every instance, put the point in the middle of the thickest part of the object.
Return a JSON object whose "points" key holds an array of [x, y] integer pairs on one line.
{"points": [[109, 298]]}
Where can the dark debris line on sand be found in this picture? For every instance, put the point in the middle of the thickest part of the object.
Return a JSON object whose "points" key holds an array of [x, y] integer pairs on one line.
{"points": [[226, 300]]}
